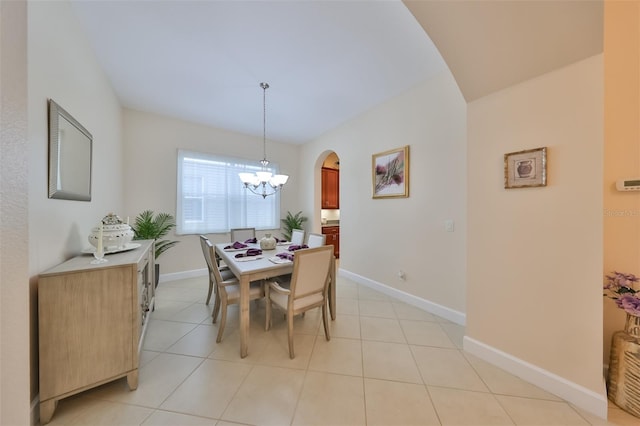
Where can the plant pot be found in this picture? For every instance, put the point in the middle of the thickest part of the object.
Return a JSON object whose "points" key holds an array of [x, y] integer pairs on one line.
{"points": [[623, 381]]}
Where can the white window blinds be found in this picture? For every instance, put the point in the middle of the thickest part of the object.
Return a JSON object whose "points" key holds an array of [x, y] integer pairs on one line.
{"points": [[212, 199]]}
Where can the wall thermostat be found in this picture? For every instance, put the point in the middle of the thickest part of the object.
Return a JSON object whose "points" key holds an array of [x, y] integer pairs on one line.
{"points": [[628, 184]]}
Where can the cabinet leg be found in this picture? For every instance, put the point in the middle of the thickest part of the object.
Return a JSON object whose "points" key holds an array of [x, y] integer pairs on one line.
{"points": [[132, 379], [46, 410]]}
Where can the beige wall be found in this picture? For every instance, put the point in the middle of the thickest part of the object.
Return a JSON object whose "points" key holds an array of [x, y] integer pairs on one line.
{"points": [[151, 146], [62, 67], [382, 236], [14, 288], [535, 254], [621, 149]]}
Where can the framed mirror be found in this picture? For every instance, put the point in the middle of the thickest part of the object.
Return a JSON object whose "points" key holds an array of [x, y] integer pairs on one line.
{"points": [[70, 150]]}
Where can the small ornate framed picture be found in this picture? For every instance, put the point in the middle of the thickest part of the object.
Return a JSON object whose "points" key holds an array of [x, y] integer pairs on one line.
{"points": [[524, 169]]}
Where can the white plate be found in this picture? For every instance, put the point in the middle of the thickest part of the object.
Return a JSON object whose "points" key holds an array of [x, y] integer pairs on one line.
{"points": [[248, 258], [276, 259], [126, 247], [235, 249], [284, 243]]}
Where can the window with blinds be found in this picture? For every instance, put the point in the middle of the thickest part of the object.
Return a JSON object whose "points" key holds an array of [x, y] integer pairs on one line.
{"points": [[212, 199]]}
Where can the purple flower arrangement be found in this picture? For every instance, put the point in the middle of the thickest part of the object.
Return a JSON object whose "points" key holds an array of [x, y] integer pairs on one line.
{"points": [[620, 287]]}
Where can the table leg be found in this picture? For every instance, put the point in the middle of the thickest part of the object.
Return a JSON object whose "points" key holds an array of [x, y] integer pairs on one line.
{"points": [[244, 316]]}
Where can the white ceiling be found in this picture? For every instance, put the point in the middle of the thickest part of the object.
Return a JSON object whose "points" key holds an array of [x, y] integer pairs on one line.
{"points": [[203, 61]]}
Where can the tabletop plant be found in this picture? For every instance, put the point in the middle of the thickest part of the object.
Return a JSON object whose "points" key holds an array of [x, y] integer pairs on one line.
{"points": [[291, 222], [148, 226]]}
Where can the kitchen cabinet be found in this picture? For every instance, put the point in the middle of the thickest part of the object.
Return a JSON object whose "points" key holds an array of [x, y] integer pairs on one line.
{"points": [[91, 322], [333, 237], [330, 188]]}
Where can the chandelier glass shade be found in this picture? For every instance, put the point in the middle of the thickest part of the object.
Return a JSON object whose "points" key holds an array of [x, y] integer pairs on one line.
{"points": [[264, 182]]}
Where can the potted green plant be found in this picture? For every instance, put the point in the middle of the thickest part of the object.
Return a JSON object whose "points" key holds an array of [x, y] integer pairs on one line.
{"points": [[148, 226], [291, 222]]}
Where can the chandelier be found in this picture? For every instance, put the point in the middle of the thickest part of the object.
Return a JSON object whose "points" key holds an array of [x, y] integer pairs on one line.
{"points": [[257, 182]]}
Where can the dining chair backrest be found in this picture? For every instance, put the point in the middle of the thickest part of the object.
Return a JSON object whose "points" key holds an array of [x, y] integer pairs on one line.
{"points": [[297, 236], [242, 234], [207, 252], [215, 269], [209, 257], [311, 269], [316, 240]]}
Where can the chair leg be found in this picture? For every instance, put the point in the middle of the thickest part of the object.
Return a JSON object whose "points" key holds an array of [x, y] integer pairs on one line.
{"points": [[216, 308], [210, 291], [325, 320], [290, 332], [223, 322]]}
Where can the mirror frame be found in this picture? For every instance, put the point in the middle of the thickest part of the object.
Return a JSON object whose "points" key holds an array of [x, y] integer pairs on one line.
{"points": [[56, 113]]}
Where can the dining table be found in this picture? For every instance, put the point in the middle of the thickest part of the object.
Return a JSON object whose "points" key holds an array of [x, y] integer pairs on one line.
{"points": [[262, 267]]}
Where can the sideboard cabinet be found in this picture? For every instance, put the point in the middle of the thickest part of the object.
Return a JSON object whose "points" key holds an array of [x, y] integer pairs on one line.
{"points": [[91, 322], [333, 238]]}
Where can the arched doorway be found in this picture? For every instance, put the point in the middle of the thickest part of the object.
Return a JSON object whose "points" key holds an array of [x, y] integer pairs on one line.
{"points": [[330, 201]]}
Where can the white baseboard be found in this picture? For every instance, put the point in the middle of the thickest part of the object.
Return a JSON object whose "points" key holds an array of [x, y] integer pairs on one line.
{"points": [[581, 397], [35, 412], [174, 276], [431, 307]]}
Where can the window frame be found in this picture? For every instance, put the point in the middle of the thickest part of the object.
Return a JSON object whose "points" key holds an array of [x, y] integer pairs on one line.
{"points": [[239, 202]]}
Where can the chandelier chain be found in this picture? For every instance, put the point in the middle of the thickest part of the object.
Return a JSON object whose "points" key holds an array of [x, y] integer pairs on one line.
{"points": [[263, 178], [264, 86]]}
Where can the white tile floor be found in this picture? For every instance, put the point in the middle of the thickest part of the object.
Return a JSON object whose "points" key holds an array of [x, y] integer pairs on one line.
{"points": [[387, 363]]}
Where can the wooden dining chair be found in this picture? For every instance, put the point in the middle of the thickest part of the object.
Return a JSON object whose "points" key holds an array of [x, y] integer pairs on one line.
{"points": [[227, 287], [316, 240], [209, 259], [297, 237], [242, 234], [307, 289]]}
